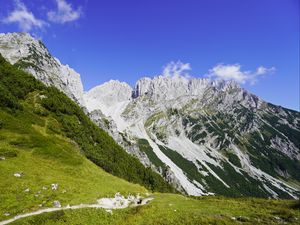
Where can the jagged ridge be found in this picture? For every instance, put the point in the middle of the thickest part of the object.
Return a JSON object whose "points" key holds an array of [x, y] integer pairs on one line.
{"points": [[213, 136]]}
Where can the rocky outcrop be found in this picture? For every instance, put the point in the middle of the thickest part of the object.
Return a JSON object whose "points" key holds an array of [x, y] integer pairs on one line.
{"points": [[32, 56]]}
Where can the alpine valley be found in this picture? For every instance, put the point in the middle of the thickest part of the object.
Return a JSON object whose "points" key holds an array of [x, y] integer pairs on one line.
{"points": [[170, 133]]}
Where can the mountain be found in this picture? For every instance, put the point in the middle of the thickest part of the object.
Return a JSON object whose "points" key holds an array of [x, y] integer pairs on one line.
{"points": [[31, 55], [211, 136], [44, 164], [55, 164], [202, 136]]}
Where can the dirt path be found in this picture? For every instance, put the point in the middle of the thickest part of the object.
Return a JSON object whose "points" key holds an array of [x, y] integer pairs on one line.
{"points": [[104, 203]]}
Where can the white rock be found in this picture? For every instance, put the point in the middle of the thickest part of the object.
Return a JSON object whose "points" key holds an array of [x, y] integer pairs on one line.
{"points": [[56, 204], [145, 201], [109, 211], [54, 187], [130, 198], [17, 174]]}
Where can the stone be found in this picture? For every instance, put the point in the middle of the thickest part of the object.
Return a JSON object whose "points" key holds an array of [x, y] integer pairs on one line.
{"points": [[54, 187], [130, 198], [17, 174], [109, 211], [56, 204]]}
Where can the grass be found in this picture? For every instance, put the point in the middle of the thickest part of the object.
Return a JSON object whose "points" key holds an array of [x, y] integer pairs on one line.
{"points": [[177, 209], [43, 158]]}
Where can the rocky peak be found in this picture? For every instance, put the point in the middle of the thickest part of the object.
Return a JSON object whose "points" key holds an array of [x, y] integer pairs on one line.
{"points": [[15, 46], [32, 56], [172, 87], [161, 87], [107, 94], [165, 88], [223, 85]]}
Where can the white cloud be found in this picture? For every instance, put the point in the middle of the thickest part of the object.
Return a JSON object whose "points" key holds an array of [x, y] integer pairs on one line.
{"points": [[234, 72], [176, 69], [24, 18], [65, 13]]}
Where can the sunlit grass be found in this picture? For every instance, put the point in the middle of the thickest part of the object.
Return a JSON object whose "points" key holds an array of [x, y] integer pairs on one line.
{"points": [[177, 209], [44, 158]]}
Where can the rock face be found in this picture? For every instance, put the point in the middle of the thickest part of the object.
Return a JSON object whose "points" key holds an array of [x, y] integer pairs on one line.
{"points": [[32, 56], [107, 96]]}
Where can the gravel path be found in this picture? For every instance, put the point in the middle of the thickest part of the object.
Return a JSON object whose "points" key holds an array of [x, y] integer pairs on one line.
{"points": [[104, 203]]}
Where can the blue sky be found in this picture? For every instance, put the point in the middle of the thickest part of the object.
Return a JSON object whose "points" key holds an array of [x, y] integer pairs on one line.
{"points": [[255, 42]]}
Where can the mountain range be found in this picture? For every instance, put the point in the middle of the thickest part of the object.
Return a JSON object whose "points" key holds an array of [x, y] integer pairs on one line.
{"points": [[204, 137]]}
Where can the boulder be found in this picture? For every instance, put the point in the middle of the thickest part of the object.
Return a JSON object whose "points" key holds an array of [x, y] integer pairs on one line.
{"points": [[57, 204], [54, 187], [17, 174]]}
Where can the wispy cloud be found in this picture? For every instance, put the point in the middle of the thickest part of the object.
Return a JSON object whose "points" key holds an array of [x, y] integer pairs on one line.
{"points": [[176, 69], [64, 13], [234, 72], [24, 18]]}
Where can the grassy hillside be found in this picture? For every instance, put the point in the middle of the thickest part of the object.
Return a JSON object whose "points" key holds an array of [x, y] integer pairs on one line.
{"points": [[44, 158], [175, 209]]}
